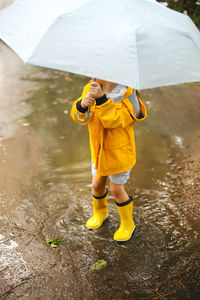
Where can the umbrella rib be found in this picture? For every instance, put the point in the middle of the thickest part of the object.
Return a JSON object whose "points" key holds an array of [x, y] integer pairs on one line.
{"points": [[135, 40], [52, 24], [80, 7], [194, 41]]}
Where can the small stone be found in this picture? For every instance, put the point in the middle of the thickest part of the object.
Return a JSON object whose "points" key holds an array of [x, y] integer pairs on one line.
{"points": [[172, 176], [172, 165], [187, 181], [169, 161], [26, 124], [126, 292]]}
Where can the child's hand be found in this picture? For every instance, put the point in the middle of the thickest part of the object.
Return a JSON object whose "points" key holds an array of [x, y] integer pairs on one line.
{"points": [[87, 101], [96, 90]]}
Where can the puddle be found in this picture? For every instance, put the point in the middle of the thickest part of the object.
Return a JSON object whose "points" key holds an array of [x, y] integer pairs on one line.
{"points": [[46, 185]]}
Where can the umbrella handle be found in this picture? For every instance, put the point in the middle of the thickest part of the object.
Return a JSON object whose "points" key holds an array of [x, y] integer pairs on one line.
{"points": [[87, 113]]}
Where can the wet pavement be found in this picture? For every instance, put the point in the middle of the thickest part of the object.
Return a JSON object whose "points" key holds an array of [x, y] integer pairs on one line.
{"points": [[45, 191]]}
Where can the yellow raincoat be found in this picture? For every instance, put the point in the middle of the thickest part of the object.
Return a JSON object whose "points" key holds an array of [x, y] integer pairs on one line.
{"points": [[111, 130]]}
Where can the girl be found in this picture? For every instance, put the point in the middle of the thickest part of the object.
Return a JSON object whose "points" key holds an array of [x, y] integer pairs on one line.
{"points": [[110, 111]]}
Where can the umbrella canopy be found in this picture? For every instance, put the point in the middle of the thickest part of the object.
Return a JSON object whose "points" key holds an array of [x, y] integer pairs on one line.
{"points": [[138, 43]]}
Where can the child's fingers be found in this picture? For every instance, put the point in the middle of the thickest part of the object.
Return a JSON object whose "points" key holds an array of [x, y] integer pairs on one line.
{"points": [[94, 84], [94, 90], [90, 102], [91, 95]]}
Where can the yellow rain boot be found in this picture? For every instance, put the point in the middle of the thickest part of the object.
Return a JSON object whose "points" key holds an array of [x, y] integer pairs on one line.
{"points": [[100, 211], [127, 225]]}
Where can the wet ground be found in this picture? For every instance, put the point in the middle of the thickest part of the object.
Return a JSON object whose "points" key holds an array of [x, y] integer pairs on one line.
{"points": [[45, 191]]}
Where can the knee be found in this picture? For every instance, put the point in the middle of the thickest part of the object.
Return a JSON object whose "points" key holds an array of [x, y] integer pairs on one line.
{"points": [[115, 190], [98, 189], [95, 187]]}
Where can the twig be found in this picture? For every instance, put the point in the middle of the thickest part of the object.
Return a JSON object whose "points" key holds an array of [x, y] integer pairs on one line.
{"points": [[183, 286], [8, 239], [168, 278], [7, 293], [163, 296], [24, 229], [178, 274], [29, 241]]}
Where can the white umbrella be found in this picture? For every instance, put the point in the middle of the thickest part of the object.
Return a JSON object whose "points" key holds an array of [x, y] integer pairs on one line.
{"points": [[138, 43]]}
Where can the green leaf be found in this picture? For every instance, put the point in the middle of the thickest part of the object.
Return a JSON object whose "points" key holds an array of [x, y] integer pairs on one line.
{"points": [[100, 264], [49, 241], [54, 242], [58, 240]]}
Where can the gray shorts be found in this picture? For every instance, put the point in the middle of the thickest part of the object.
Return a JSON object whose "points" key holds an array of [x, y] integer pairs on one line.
{"points": [[120, 178]]}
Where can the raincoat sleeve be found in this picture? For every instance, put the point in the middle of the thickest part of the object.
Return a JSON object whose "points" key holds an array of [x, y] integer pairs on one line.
{"points": [[120, 114], [143, 111], [78, 114]]}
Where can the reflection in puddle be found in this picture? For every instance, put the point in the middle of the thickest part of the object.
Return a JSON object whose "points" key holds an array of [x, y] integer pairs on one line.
{"points": [[179, 141]]}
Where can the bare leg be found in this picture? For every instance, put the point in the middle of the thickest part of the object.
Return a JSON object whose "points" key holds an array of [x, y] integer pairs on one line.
{"points": [[98, 186], [118, 192]]}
